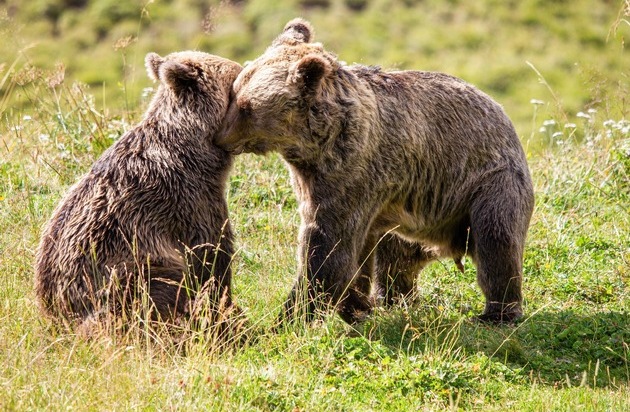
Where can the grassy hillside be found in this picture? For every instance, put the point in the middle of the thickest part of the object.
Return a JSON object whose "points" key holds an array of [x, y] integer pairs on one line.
{"points": [[570, 352], [576, 45]]}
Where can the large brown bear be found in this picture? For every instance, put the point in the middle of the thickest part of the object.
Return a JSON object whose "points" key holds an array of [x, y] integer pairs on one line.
{"points": [[391, 170], [150, 215]]}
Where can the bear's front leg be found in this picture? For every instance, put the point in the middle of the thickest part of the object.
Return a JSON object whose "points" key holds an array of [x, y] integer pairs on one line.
{"points": [[210, 280], [328, 266], [398, 263]]}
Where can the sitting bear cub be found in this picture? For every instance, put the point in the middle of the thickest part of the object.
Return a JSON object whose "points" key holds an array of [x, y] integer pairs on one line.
{"points": [[150, 215], [391, 170]]}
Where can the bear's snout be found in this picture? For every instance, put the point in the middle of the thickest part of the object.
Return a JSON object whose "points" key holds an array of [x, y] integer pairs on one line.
{"points": [[226, 137]]}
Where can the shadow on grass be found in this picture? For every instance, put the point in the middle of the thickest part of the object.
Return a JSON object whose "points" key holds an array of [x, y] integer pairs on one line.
{"points": [[551, 347]]}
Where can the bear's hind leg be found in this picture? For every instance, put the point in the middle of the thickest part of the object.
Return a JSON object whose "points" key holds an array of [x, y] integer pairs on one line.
{"points": [[499, 222], [169, 293]]}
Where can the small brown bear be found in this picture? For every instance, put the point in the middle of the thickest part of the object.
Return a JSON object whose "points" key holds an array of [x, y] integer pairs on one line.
{"points": [[412, 165], [150, 215]]}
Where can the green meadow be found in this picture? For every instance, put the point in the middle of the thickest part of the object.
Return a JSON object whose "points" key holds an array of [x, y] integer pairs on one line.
{"points": [[72, 81]]}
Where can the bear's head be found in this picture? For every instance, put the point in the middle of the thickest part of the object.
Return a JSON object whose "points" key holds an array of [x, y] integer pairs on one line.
{"points": [[194, 89], [280, 99]]}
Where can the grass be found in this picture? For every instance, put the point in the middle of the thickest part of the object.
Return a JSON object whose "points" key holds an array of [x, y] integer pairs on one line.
{"points": [[570, 352]]}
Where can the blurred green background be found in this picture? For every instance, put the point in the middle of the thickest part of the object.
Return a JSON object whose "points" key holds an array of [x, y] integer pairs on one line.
{"points": [[577, 46]]}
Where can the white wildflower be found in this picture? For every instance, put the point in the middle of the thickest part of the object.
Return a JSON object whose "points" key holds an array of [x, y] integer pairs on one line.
{"points": [[536, 102], [549, 122], [146, 92], [269, 373], [570, 126], [26, 117], [583, 115]]}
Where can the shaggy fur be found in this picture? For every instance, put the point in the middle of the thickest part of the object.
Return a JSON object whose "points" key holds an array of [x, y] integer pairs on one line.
{"points": [[150, 214], [423, 158]]}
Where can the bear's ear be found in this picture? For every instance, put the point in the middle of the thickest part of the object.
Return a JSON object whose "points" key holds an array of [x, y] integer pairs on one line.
{"points": [[152, 62], [296, 31], [178, 75], [299, 29], [308, 73]]}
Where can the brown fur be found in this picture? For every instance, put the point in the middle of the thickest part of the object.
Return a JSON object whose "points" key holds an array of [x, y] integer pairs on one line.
{"points": [[422, 155], [150, 214]]}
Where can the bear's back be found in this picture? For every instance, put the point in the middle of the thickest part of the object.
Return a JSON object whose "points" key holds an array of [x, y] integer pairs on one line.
{"points": [[442, 113]]}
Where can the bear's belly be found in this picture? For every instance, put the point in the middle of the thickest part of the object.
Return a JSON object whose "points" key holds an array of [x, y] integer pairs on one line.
{"points": [[446, 237], [397, 219]]}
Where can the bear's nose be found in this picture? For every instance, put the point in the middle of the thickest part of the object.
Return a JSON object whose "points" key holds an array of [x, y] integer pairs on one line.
{"points": [[227, 139], [225, 134]]}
